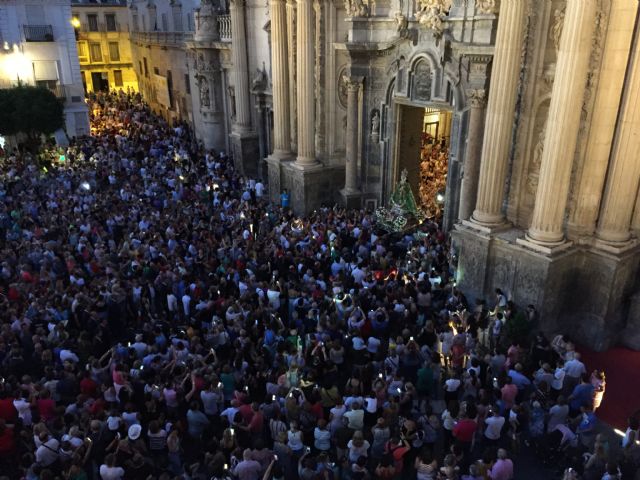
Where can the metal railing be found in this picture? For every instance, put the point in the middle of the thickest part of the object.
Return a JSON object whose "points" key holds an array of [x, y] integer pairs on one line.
{"points": [[162, 38], [224, 27], [38, 33]]}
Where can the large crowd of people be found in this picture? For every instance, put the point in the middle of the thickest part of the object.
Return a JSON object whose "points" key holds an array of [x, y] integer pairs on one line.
{"points": [[160, 319]]}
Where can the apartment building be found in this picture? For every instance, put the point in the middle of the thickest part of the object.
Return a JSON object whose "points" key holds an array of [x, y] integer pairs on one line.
{"points": [[104, 45], [38, 47]]}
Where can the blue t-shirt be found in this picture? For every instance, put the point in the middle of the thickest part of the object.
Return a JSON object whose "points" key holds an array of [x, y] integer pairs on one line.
{"points": [[582, 396], [284, 199]]}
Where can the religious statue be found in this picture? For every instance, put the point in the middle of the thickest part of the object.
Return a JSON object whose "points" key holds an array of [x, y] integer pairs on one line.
{"points": [[431, 14], [375, 126], [205, 18], [260, 81], [402, 24], [203, 84], [556, 28]]}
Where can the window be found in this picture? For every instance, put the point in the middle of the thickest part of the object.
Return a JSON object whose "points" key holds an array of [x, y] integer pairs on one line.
{"points": [[165, 22], [83, 54], [146, 67], [140, 67], [114, 51], [135, 23], [96, 52], [187, 85], [156, 70], [177, 19], [170, 87], [110, 20], [117, 78], [93, 23], [190, 25]]}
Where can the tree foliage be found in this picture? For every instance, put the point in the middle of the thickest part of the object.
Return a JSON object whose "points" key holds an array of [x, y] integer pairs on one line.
{"points": [[29, 110]]}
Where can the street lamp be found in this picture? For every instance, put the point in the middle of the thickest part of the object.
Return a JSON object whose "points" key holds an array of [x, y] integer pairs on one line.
{"points": [[75, 22]]}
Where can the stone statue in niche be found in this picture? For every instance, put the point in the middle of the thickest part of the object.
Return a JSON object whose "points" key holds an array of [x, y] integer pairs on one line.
{"points": [[205, 97], [206, 17], [260, 81], [375, 126], [342, 88], [556, 28], [539, 148], [422, 81]]}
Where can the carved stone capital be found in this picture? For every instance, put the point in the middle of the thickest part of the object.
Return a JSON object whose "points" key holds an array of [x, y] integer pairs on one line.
{"points": [[353, 83], [487, 7], [477, 98]]}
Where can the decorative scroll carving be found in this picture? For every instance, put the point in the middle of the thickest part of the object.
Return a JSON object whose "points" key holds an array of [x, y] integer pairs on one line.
{"points": [[486, 7], [431, 14]]}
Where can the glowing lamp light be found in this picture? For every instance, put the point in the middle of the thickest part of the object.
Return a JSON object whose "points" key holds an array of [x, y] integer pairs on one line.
{"points": [[75, 22], [85, 186], [5, 46], [440, 197]]}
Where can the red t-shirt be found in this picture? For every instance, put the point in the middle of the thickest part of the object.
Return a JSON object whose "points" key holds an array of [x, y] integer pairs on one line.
{"points": [[88, 387], [7, 445], [7, 411], [46, 408], [464, 430]]}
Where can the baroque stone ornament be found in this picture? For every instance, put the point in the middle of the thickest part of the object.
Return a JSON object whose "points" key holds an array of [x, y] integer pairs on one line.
{"points": [[486, 7], [431, 14], [343, 80], [375, 126], [356, 8]]}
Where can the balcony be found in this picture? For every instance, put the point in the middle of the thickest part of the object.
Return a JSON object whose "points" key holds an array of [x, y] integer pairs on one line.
{"points": [[164, 39], [224, 27], [38, 33]]}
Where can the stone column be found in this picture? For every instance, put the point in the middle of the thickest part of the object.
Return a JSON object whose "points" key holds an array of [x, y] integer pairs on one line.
{"points": [[240, 69], [469, 187], [305, 64], [353, 122], [280, 79], [563, 123], [617, 45], [291, 39], [624, 168], [635, 223], [500, 113]]}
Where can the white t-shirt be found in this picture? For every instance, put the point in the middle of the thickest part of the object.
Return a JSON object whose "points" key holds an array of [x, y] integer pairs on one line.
{"points": [[111, 473], [558, 379], [494, 427], [24, 410]]}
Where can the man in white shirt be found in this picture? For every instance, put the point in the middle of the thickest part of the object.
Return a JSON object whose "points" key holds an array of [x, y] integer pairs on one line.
{"points": [[355, 417], [47, 452], [494, 427], [574, 370]]}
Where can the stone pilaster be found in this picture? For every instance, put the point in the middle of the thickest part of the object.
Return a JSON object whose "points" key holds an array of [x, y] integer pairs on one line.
{"points": [[240, 69], [469, 188], [291, 40], [500, 113], [624, 169], [563, 123], [280, 80], [617, 45], [306, 83], [353, 122]]}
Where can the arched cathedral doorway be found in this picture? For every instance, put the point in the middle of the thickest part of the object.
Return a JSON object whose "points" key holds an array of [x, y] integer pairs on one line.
{"points": [[425, 133]]}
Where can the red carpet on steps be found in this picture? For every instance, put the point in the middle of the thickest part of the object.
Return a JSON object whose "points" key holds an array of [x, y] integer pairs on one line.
{"points": [[622, 395]]}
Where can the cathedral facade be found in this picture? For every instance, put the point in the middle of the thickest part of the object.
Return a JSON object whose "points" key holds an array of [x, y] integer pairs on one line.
{"points": [[518, 119]]}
